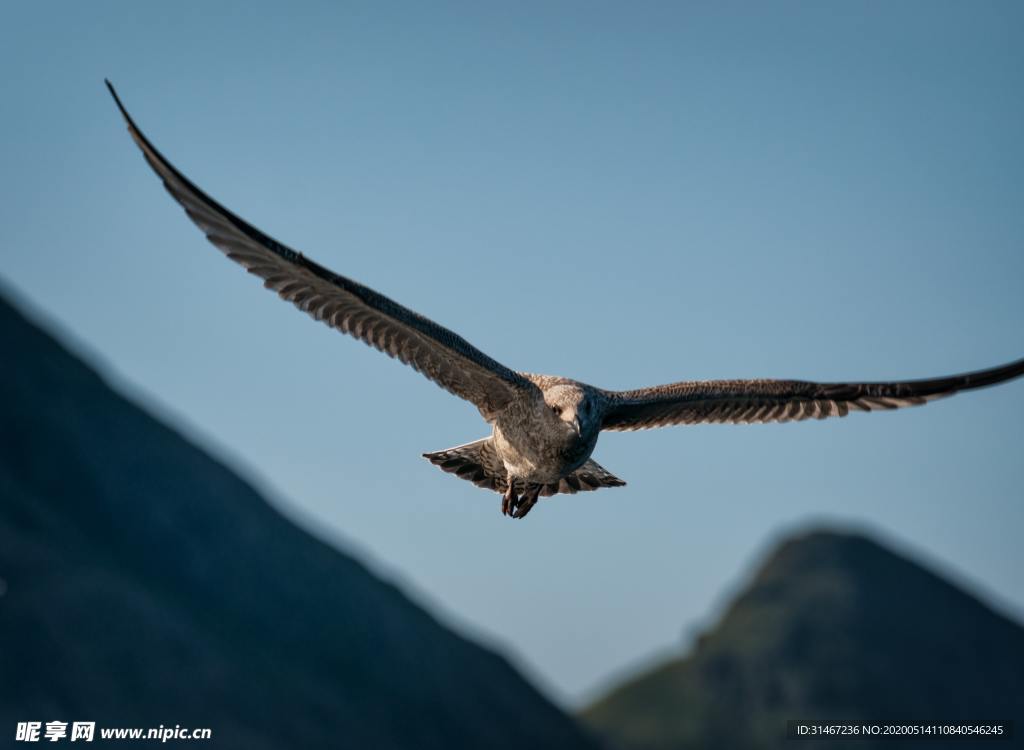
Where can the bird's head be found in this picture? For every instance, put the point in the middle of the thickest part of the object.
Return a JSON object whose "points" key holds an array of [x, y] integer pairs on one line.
{"points": [[570, 404]]}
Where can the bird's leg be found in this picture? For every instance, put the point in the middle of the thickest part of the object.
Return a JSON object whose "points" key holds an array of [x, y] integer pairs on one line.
{"points": [[527, 501], [510, 500]]}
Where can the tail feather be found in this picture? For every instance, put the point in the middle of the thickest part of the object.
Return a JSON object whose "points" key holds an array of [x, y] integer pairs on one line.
{"points": [[478, 462], [591, 476]]}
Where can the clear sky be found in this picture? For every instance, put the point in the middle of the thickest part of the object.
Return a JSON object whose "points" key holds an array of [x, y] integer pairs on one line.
{"points": [[626, 193]]}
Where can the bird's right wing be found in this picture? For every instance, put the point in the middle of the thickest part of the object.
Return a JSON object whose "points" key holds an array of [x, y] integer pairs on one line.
{"points": [[747, 401], [439, 354]]}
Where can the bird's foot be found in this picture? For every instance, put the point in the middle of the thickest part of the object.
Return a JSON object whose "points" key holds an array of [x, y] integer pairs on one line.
{"points": [[523, 507], [509, 501], [526, 502]]}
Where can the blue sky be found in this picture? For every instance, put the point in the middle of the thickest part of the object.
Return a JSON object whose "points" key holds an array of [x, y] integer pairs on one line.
{"points": [[627, 194]]}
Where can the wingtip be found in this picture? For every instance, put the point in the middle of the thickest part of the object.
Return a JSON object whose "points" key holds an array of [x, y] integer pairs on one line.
{"points": [[117, 101]]}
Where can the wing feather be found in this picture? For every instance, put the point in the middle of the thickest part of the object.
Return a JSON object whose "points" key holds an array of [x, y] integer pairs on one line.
{"points": [[436, 352], [753, 401]]}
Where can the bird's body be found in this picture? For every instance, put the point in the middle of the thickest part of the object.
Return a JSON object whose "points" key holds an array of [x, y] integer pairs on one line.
{"points": [[544, 428], [541, 436], [540, 445]]}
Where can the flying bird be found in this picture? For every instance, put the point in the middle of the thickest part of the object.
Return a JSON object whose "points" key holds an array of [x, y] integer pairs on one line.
{"points": [[543, 427]]}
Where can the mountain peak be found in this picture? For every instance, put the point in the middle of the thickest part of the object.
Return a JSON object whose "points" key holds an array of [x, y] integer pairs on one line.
{"points": [[833, 626]]}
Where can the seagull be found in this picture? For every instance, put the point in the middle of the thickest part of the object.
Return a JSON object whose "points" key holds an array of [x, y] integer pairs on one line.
{"points": [[543, 427]]}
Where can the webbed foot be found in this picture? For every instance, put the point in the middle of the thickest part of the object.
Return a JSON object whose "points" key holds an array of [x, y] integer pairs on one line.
{"points": [[527, 501], [509, 501]]}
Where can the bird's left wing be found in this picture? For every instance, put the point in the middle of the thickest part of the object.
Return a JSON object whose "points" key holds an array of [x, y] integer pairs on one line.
{"points": [[439, 354], [749, 401]]}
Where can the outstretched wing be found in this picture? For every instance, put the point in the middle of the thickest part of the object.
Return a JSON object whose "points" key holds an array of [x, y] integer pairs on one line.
{"points": [[751, 401], [441, 355]]}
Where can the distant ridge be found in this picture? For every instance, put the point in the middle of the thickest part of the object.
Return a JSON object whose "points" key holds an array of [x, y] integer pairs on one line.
{"points": [[143, 583], [834, 626]]}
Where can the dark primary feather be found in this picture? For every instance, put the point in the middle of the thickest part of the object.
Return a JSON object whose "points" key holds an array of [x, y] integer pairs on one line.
{"points": [[751, 401], [441, 355]]}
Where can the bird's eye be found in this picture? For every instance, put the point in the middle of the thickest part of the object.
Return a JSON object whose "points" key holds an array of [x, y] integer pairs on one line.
{"points": [[557, 410]]}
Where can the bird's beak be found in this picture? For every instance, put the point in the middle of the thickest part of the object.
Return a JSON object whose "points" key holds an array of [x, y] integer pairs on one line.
{"points": [[576, 424]]}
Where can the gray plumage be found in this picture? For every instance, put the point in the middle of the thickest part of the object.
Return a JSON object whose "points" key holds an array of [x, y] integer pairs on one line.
{"points": [[544, 428]]}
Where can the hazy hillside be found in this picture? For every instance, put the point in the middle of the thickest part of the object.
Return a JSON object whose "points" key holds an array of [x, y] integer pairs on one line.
{"points": [[834, 626], [142, 583]]}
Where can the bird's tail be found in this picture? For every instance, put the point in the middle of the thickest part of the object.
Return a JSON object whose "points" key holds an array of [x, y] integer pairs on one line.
{"points": [[478, 462]]}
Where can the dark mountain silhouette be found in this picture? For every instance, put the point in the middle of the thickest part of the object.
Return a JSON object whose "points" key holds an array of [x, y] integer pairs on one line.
{"points": [[142, 584], [833, 627]]}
